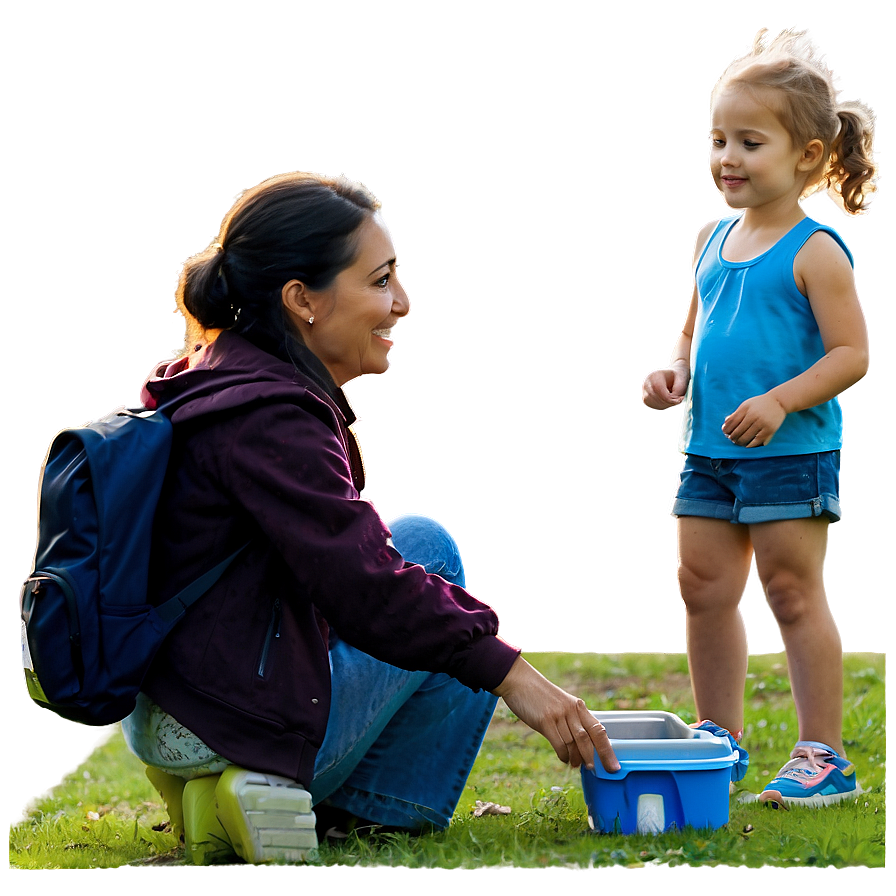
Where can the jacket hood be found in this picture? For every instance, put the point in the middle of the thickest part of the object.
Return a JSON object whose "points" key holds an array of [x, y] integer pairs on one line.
{"points": [[231, 372]]}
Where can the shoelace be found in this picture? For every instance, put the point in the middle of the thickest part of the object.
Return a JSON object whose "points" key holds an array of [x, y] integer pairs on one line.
{"points": [[796, 767]]}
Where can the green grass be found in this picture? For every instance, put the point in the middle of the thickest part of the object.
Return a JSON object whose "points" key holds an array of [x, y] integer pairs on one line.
{"points": [[106, 814]]}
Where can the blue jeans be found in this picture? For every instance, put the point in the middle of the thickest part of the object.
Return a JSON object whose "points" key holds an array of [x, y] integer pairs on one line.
{"points": [[399, 745]]}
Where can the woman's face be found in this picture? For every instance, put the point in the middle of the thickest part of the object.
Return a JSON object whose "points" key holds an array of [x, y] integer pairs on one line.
{"points": [[353, 317]]}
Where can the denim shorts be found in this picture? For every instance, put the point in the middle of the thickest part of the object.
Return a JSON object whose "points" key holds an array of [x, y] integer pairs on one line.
{"points": [[761, 490]]}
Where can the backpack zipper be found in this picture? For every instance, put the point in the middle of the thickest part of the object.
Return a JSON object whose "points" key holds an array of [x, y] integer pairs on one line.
{"points": [[273, 633], [36, 589]]}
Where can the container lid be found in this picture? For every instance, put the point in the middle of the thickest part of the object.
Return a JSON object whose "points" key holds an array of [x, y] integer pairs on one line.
{"points": [[655, 740]]}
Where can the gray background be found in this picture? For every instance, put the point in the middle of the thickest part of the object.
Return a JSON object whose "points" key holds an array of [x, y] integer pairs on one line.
{"points": [[542, 166]]}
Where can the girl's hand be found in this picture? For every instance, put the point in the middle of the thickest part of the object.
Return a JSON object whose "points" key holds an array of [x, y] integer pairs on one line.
{"points": [[755, 422], [563, 719], [666, 388]]}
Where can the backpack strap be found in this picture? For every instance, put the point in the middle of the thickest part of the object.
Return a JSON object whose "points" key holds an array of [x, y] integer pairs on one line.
{"points": [[169, 611]]}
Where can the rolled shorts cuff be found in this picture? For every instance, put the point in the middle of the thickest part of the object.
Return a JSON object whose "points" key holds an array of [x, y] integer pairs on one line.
{"points": [[698, 507], [827, 506]]}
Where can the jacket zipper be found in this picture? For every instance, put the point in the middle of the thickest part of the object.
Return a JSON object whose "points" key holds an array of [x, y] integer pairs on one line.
{"points": [[272, 634]]}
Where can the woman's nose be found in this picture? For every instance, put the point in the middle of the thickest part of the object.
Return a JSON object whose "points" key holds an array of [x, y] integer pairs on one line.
{"points": [[400, 303]]}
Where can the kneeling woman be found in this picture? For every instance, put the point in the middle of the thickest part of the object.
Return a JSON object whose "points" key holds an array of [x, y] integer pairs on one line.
{"points": [[336, 664]]}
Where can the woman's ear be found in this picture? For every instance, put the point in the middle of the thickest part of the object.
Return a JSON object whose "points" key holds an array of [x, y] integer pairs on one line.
{"points": [[812, 155], [296, 297]]}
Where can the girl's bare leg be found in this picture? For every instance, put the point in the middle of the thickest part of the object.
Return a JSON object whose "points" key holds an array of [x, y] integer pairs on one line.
{"points": [[714, 562], [790, 560]]}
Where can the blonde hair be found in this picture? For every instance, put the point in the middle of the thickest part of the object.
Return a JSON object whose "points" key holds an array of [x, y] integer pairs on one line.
{"points": [[799, 88]]}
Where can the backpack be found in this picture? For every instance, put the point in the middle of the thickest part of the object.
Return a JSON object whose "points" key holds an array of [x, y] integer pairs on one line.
{"points": [[88, 633]]}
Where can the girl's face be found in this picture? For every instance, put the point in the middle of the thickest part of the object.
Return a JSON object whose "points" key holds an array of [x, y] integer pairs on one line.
{"points": [[753, 159], [354, 315]]}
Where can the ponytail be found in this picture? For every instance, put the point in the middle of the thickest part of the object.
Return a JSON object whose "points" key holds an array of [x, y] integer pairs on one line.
{"points": [[850, 173]]}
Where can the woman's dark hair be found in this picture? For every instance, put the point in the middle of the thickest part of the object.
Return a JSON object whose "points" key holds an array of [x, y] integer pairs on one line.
{"points": [[294, 226]]}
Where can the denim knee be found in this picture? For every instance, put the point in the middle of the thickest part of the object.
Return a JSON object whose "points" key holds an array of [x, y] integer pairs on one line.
{"points": [[427, 543]]}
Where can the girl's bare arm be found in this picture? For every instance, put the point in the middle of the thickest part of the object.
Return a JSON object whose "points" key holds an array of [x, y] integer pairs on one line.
{"points": [[666, 388]]}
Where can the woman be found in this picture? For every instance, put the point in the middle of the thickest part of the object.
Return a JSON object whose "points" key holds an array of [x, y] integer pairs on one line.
{"points": [[291, 673]]}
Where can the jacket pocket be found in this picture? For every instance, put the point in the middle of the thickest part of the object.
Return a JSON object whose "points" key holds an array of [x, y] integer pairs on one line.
{"points": [[266, 659]]}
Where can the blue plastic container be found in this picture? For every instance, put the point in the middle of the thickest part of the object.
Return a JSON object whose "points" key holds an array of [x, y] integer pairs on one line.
{"points": [[671, 776]]}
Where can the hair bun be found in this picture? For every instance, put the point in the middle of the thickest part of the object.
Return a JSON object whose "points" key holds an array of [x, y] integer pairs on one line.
{"points": [[206, 292]]}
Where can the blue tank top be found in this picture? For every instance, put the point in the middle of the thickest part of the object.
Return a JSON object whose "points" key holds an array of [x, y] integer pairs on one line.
{"points": [[754, 331]]}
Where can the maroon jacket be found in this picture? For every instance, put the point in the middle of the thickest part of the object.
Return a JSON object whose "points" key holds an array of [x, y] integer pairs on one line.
{"points": [[262, 454]]}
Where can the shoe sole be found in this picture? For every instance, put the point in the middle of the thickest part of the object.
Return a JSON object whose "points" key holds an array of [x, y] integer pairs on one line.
{"points": [[171, 790], [265, 823], [205, 840], [774, 800]]}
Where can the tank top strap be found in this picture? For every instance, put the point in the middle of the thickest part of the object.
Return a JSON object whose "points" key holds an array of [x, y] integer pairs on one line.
{"points": [[713, 241], [794, 240]]}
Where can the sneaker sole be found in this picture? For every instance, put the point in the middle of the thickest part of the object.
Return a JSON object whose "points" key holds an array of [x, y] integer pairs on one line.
{"points": [[775, 800], [265, 823]]}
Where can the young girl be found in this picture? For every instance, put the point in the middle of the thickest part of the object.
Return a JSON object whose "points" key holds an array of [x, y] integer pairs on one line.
{"points": [[774, 333]]}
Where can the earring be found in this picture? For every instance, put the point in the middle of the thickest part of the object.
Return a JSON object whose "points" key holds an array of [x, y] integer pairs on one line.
{"points": [[310, 320]]}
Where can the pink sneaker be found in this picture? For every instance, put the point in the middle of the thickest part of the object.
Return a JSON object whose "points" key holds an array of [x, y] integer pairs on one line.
{"points": [[815, 776]]}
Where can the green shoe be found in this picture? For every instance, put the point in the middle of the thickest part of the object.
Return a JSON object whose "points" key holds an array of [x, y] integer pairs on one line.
{"points": [[205, 841], [171, 790], [267, 818]]}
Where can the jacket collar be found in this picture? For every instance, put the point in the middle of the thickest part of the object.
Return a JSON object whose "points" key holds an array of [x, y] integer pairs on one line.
{"points": [[231, 361], [232, 372]]}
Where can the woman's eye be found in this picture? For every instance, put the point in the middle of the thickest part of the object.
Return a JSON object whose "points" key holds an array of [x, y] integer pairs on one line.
{"points": [[383, 282]]}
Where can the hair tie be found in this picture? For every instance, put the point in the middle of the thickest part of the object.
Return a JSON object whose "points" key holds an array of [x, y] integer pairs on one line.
{"points": [[222, 286]]}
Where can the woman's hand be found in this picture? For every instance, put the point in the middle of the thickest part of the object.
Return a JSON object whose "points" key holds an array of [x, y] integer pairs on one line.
{"points": [[563, 719], [666, 388], [755, 422]]}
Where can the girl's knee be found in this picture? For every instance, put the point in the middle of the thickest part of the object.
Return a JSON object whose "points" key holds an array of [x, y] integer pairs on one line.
{"points": [[705, 592], [791, 597], [691, 587]]}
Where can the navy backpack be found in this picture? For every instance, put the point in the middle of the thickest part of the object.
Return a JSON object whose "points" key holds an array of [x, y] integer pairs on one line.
{"points": [[88, 633]]}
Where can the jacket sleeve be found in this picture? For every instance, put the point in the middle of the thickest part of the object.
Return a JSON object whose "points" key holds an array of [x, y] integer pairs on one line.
{"points": [[289, 470]]}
